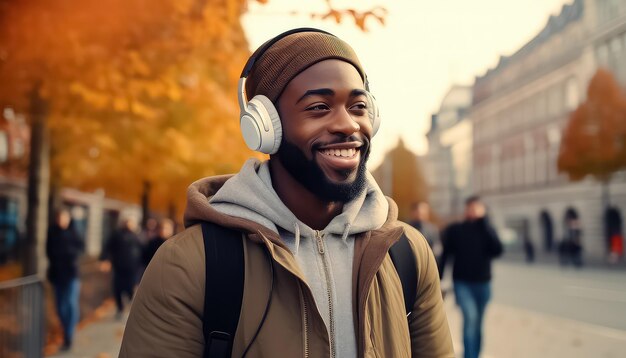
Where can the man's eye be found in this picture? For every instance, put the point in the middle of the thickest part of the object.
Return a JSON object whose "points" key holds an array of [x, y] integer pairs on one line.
{"points": [[359, 106], [317, 107]]}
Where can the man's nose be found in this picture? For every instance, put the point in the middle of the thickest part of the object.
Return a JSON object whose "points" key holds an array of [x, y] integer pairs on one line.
{"points": [[344, 123]]}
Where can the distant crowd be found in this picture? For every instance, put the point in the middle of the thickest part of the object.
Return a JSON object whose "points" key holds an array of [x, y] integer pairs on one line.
{"points": [[126, 254]]}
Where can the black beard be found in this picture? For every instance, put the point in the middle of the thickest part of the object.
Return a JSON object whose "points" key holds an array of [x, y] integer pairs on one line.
{"points": [[311, 176]]}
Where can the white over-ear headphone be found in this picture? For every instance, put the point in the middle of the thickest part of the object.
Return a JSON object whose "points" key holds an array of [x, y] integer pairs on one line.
{"points": [[258, 118]]}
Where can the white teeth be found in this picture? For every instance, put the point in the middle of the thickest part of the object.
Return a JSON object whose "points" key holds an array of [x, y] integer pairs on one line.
{"points": [[344, 153]]}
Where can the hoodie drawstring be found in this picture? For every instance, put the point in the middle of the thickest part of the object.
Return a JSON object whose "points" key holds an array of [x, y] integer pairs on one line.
{"points": [[296, 231], [346, 231]]}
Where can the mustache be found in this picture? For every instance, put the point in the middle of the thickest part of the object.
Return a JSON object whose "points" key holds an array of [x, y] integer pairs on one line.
{"points": [[343, 139]]}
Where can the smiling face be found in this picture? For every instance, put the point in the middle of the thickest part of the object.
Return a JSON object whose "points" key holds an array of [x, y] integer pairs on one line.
{"points": [[326, 130]]}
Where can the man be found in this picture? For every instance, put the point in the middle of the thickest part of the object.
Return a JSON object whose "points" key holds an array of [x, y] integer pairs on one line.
{"points": [[165, 229], [63, 248], [316, 227], [570, 248], [473, 243], [420, 220], [123, 253]]}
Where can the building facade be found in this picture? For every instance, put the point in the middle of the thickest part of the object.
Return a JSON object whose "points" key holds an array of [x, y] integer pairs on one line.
{"points": [[519, 111], [449, 156]]}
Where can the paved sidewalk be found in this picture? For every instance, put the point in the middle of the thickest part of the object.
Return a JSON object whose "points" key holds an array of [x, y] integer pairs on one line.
{"points": [[515, 333], [509, 333], [99, 339]]}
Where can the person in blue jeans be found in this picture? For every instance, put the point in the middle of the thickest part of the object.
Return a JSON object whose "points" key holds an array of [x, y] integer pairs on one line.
{"points": [[64, 248], [473, 243]]}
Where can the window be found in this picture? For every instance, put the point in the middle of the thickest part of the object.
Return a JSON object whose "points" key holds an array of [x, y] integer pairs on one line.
{"points": [[529, 163], [616, 46], [540, 112], [494, 179], [572, 98], [554, 135], [507, 173], [541, 173], [552, 164], [519, 170], [4, 147], [8, 228], [527, 111], [554, 101], [529, 172], [602, 53]]}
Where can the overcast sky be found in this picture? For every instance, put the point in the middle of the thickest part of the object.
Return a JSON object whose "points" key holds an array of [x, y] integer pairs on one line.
{"points": [[424, 48]]}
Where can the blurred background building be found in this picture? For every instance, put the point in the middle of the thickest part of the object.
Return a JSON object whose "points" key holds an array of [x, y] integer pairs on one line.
{"points": [[511, 132], [449, 161]]}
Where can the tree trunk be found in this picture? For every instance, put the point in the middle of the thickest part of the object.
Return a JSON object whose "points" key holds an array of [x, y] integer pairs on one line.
{"points": [[38, 186]]}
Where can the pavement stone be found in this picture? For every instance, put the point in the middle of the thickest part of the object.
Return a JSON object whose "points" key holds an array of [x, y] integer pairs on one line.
{"points": [[100, 339], [510, 332]]}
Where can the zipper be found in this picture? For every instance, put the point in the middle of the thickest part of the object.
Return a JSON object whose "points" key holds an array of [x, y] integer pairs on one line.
{"points": [[306, 323], [331, 323], [305, 314]]}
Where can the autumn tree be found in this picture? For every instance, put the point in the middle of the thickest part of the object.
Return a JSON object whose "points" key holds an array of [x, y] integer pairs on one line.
{"points": [[401, 177], [594, 141], [130, 91], [124, 93]]}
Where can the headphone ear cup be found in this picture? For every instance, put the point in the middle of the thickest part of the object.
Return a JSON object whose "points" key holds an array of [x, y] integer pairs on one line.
{"points": [[268, 123], [374, 113]]}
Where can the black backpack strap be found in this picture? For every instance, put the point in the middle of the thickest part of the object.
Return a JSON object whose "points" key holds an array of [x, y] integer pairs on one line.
{"points": [[404, 260], [224, 260]]}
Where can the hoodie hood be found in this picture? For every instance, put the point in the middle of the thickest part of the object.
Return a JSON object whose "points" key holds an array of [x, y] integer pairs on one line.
{"points": [[249, 195]]}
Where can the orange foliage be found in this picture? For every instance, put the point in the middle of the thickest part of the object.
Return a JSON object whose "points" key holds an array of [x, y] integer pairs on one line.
{"points": [[594, 142], [378, 13], [360, 17], [137, 90]]}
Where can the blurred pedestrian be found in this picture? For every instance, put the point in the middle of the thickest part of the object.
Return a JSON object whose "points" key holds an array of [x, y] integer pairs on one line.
{"points": [[150, 231], [571, 248], [529, 250], [473, 243], [529, 247], [64, 248], [123, 253], [420, 219], [165, 230], [616, 251]]}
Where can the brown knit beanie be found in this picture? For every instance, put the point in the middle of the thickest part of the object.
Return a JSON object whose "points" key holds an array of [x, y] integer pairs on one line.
{"points": [[291, 55]]}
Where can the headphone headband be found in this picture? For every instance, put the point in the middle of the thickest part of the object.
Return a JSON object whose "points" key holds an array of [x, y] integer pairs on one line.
{"points": [[259, 120], [251, 61]]}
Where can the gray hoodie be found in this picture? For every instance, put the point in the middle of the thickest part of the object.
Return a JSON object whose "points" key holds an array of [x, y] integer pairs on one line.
{"points": [[325, 257]]}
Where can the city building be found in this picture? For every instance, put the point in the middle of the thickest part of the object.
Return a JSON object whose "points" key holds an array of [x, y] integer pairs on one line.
{"points": [[449, 158], [519, 111]]}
